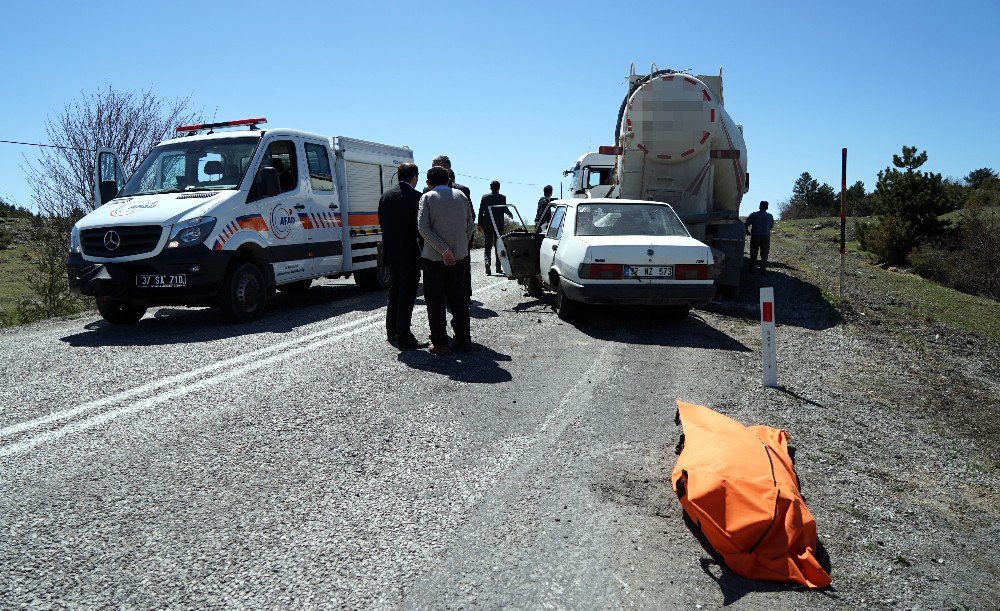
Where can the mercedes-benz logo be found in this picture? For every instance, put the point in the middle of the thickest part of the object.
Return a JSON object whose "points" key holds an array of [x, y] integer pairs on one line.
{"points": [[112, 240]]}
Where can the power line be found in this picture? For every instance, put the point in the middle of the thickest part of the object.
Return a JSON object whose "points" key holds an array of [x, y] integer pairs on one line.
{"points": [[51, 146], [530, 184]]}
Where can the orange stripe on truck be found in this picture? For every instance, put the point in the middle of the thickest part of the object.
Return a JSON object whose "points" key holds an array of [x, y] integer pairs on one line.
{"points": [[362, 220]]}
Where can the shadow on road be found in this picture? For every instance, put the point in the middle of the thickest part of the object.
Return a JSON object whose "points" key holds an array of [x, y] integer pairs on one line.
{"points": [[734, 587], [649, 326], [285, 313], [796, 302], [479, 366]]}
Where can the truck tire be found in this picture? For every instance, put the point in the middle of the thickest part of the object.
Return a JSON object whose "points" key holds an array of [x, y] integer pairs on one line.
{"points": [[120, 312], [299, 286], [534, 286], [243, 292], [566, 308], [374, 278], [676, 313]]}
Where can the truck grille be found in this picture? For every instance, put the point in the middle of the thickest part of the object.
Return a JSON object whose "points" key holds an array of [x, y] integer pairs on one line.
{"points": [[120, 241]]}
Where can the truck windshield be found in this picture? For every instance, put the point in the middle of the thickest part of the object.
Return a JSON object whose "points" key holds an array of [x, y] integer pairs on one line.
{"points": [[628, 219], [206, 165]]}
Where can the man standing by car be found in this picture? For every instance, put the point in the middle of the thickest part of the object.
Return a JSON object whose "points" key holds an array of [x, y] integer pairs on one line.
{"points": [[759, 226], [487, 216], [446, 223], [543, 204], [401, 253]]}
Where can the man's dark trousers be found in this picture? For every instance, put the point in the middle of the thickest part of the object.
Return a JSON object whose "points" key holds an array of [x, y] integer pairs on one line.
{"points": [[445, 285], [488, 251], [405, 277], [763, 244]]}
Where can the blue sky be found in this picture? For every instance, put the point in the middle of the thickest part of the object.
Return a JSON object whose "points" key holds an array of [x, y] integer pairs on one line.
{"points": [[517, 91]]}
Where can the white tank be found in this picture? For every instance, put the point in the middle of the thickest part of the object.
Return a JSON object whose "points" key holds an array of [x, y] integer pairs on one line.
{"points": [[679, 145]]}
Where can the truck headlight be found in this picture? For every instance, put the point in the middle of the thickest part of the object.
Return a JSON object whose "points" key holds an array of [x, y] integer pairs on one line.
{"points": [[192, 232], [74, 239]]}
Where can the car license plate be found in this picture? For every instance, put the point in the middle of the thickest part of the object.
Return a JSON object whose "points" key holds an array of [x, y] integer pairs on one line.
{"points": [[650, 271], [161, 280]]}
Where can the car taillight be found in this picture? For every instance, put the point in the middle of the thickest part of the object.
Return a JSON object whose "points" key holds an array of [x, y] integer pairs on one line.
{"points": [[601, 271], [691, 272]]}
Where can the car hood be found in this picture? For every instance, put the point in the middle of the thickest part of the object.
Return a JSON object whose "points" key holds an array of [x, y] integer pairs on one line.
{"points": [[646, 249], [164, 209]]}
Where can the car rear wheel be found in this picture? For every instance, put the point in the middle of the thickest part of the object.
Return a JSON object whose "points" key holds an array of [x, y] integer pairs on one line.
{"points": [[120, 312], [566, 308], [242, 298]]}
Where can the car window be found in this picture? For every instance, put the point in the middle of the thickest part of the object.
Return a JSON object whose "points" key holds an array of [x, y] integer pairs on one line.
{"points": [[628, 219], [555, 225], [320, 176]]}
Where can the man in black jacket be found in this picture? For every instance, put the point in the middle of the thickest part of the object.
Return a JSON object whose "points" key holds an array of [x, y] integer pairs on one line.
{"points": [[543, 205], [487, 215], [401, 248]]}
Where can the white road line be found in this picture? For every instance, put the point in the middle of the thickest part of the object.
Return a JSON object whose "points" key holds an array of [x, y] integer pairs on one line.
{"points": [[321, 337]]}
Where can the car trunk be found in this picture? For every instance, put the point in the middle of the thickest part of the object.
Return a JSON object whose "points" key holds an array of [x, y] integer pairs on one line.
{"points": [[645, 250]]}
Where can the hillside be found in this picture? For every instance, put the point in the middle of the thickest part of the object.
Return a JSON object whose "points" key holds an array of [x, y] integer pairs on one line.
{"points": [[15, 266]]}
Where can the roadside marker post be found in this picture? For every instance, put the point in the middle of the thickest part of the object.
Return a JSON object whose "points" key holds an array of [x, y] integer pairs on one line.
{"points": [[843, 218], [767, 335]]}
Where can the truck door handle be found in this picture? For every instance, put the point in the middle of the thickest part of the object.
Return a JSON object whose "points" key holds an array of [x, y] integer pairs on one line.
{"points": [[300, 206], [334, 206]]}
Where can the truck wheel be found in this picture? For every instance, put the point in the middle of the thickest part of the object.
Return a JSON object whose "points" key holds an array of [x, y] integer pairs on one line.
{"points": [[676, 313], [535, 287], [374, 278], [242, 297], [299, 286], [566, 308], [120, 312]]}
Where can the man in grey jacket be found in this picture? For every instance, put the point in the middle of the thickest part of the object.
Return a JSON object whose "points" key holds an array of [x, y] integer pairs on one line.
{"points": [[446, 222]]}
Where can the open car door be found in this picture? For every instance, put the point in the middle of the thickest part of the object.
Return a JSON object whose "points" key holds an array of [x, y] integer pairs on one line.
{"points": [[108, 176], [518, 248]]}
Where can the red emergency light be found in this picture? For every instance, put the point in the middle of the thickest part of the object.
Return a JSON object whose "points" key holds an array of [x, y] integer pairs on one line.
{"points": [[194, 128]]}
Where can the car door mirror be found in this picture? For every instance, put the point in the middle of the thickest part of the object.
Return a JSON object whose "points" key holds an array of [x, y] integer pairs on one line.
{"points": [[268, 179]]}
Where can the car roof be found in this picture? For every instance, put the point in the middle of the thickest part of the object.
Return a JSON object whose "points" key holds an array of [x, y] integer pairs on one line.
{"points": [[603, 200]]}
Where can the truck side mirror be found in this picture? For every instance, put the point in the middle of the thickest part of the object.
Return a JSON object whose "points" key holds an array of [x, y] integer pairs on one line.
{"points": [[109, 189], [269, 185]]}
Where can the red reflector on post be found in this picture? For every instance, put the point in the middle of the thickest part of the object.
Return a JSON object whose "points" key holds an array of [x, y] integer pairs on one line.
{"points": [[609, 150], [192, 128], [767, 312]]}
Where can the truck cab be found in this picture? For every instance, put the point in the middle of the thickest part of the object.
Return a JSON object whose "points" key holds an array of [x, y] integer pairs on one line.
{"points": [[228, 217], [591, 175]]}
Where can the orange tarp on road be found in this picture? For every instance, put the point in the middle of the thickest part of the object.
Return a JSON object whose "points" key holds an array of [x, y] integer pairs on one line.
{"points": [[738, 485]]}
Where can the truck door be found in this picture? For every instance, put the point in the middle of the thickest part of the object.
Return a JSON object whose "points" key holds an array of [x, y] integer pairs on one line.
{"points": [[320, 219], [108, 176], [285, 234], [550, 244]]}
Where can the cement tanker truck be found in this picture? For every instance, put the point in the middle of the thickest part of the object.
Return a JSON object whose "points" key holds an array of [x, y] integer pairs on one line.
{"points": [[675, 143]]}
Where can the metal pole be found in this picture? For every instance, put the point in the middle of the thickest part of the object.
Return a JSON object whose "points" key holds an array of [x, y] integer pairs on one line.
{"points": [[843, 218]]}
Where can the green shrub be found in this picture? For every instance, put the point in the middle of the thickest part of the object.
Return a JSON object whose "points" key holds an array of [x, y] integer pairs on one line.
{"points": [[6, 239], [889, 238]]}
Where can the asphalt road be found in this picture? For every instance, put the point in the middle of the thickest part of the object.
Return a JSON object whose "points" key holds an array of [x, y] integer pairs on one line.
{"points": [[301, 461]]}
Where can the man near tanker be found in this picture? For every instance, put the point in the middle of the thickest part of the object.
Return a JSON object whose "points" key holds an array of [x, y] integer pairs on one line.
{"points": [[759, 226]]}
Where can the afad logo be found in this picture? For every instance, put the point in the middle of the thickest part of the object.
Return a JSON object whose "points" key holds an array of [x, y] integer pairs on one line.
{"points": [[130, 209], [282, 221]]}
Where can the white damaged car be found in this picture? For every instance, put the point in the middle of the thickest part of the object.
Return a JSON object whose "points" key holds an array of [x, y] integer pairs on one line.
{"points": [[614, 251]]}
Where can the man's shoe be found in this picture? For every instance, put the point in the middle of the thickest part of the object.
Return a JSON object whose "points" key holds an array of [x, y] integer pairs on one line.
{"points": [[489, 272], [439, 350], [391, 339], [413, 345]]}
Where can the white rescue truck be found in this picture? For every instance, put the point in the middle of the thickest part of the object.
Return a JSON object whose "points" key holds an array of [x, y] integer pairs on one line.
{"points": [[227, 218]]}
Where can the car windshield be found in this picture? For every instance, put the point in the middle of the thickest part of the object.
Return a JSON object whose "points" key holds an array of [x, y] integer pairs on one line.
{"points": [[206, 165], [628, 219]]}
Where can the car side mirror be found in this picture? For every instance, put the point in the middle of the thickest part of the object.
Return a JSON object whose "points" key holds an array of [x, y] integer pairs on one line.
{"points": [[109, 189], [269, 185]]}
